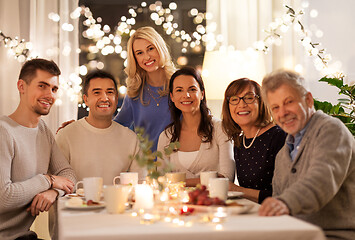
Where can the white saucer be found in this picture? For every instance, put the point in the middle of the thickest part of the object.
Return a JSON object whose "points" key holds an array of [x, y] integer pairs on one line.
{"points": [[234, 194]]}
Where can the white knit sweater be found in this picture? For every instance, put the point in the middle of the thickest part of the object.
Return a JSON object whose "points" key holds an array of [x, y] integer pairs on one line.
{"points": [[95, 152]]}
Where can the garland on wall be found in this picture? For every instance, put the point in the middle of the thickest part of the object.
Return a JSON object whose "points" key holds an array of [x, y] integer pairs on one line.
{"points": [[19, 49], [109, 42], [22, 51], [282, 25]]}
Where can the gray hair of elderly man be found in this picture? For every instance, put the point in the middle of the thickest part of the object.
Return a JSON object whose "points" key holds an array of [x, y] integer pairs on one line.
{"points": [[276, 79]]}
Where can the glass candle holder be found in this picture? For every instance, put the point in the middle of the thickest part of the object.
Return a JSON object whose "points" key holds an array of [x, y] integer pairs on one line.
{"points": [[147, 218], [217, 214]]}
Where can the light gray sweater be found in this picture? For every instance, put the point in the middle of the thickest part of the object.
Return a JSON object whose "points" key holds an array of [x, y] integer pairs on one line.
{"points": [[25, 155], [319, 185]]}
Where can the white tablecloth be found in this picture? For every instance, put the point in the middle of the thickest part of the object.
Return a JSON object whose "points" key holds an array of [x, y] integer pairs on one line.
{"points": [[97, 224]]}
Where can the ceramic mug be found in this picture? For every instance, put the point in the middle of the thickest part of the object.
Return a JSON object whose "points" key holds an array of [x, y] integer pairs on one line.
{"points": [[116, 197], [92, 188], [127, 178], [218, 187], [205, 176]]}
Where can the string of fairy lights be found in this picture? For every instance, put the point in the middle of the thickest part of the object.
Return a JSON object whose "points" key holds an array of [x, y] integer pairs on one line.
{"points": [[109, 41], [282, 25]]}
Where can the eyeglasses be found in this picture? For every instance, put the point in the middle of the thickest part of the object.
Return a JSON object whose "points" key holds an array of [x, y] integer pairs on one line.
{"points": [[248, 99]]}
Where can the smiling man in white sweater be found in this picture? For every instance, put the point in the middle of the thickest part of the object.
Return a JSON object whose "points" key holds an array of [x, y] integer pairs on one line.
{"points": [[29, 155], [96, 146]]}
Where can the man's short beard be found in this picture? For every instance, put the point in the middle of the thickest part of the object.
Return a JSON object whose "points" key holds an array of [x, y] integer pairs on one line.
{"points": [[42, 113]]}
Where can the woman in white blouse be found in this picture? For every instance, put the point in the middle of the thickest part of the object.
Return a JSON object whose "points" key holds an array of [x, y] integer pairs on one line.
{"points": [[203, 144]]}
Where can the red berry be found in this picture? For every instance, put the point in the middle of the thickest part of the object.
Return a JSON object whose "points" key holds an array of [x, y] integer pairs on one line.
{"points": [[208, 202]]}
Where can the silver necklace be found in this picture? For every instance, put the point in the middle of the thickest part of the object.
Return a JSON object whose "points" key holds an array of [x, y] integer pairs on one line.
{"points": [[246, 147]]}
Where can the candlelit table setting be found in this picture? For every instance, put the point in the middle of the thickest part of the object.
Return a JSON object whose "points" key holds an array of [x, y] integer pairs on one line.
{"points": [[146, 211]]}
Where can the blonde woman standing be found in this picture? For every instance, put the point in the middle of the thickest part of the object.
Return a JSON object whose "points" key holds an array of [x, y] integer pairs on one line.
{"points": [[149, 68]]}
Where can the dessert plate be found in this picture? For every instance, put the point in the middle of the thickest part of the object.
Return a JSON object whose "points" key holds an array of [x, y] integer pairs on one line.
{"points": [[84, 206], [232, 208]]}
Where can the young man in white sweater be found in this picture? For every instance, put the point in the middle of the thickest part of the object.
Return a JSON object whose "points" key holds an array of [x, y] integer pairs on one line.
{"points": [[29, 155], [96, 146]]}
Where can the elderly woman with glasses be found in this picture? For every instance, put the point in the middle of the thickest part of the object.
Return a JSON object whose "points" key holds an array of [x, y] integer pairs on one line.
{"points": [[247, 122]]}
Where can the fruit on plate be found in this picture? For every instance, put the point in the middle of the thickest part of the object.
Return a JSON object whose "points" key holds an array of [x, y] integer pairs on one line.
{"points": [[200, 196], [91, 203]]}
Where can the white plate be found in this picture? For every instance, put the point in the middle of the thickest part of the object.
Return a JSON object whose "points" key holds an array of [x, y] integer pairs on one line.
{"points": [[73, 195], [234, 194], [240, 209], [244, 208], [84, 206]]}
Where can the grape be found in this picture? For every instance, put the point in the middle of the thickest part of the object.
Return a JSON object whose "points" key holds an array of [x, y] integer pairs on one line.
{"points": [[200, 196], [207, 202]]}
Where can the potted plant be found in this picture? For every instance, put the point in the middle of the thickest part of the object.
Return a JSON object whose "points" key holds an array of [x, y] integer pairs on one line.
{"points": [[345, 108]]}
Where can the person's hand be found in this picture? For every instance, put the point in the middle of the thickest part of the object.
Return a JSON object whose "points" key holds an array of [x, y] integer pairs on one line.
{"points": [[233, 187], [42, 202], [63, 183], [273, 207], [64, 124]]}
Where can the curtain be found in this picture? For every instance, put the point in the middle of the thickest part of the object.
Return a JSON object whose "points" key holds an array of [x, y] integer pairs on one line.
{"points": [[240, 23], [237, 25], [10, 68], [28, 19]]}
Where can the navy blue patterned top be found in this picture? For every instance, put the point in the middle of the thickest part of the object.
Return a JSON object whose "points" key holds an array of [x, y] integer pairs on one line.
{"points": [[255, 165]]}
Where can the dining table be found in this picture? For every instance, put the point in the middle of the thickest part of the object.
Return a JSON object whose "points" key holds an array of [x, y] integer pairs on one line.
{"points": [[87, 224]]}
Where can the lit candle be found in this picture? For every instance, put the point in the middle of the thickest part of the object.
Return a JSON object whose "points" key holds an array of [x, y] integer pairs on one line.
{"points": [[144, 197], [218, 215], [164, 196], [147, 218]]}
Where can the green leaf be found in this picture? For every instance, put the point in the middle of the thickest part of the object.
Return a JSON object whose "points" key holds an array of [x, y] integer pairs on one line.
{"points": [[344, 100], [333, 81], [326, 107], [159, 154], [168, 151]]}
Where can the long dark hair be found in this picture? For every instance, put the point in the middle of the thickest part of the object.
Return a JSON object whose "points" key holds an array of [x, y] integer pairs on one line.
{"points": [[205, 128]]}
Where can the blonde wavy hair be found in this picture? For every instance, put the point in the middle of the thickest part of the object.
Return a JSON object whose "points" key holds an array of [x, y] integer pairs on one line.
{"points": [[136, 75]]}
